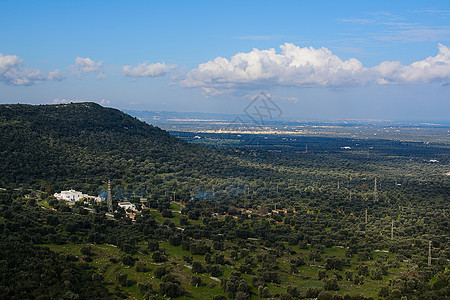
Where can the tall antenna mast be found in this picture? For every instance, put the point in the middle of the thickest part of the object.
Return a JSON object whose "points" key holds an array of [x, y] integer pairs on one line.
{"points": [[392, 230], [429, 253], [375, 191], [109, 199]]}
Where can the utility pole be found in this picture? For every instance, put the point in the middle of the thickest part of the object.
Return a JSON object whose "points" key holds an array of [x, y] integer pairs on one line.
{"points": [[392, 230], [366, 216], [277, 188], [338, 185], [174, 195], [306, 150], [429, 253], [350, 196], [109, 199]]}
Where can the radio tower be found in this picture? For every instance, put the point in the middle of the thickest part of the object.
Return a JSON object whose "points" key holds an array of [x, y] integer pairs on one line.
{"points": [[375, 192], [429, 253], [392, 230], [109, 199]]}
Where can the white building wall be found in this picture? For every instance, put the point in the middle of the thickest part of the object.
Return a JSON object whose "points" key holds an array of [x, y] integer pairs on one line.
{"points": [[70, 195]]}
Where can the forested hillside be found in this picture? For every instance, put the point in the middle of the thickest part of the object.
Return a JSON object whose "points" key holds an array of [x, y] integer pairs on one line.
{"points": [[214, 223], [83, 145]]}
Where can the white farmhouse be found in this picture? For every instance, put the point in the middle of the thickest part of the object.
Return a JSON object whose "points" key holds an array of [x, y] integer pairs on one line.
{"points": [[127, 205], [70, 195], [74, 196]]}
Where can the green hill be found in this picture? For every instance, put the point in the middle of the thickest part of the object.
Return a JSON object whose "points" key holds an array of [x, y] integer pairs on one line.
{"points": [[282, 224], [69, 145]]}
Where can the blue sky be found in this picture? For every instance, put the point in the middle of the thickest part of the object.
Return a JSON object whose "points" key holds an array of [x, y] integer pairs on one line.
{"points": [[329, 59]]}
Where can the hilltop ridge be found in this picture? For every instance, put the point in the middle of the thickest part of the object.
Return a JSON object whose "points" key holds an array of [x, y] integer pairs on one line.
{"points": [[85, 143]]}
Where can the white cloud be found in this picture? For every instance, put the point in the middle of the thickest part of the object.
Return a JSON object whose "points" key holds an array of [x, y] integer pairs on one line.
{"points": [[432, 69], [388, 27], [12, 72], [294, 66], [56, 75], [146, 69], [309, 67], [417, 34], [65, 101], [87, 65]]}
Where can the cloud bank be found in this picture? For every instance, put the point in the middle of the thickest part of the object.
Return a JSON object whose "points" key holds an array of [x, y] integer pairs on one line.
{"points": [[66, 101], [87, 65], [310, 67], [146, 69], [12, 72]]}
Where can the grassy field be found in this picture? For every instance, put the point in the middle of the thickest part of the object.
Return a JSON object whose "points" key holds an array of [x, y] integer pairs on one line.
{"points": [[106, 260]]}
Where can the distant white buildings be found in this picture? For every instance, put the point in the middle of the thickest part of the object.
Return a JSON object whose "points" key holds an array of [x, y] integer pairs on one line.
{"points": [[127, 206], [74, 196], [70, 195]]}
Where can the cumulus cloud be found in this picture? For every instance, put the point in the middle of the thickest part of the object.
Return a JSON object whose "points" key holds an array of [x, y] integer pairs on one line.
{"points": [[146, 69], [87, 65], [309, 67], [432, 69], [12, 72]]}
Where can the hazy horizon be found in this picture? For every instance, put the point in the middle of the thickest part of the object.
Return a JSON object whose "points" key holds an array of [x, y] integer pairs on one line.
{"points": [[321, 60]]}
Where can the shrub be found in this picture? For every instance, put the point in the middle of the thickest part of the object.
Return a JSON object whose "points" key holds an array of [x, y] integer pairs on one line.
{"points": [[171, 290], [128, 260], [122, 278], [321, 274], [86, 250], [160, 272], [330, 284], [197, 267], [141, 267]]}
